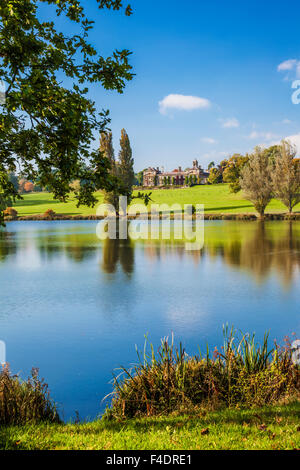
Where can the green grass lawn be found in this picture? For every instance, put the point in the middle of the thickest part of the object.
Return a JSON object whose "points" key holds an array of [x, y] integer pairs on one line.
{"points": [[216, 198], [275, 427]]}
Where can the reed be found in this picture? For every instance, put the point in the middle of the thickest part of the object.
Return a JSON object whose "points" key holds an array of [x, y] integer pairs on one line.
{"points": [[242, 374], [24, 402]]}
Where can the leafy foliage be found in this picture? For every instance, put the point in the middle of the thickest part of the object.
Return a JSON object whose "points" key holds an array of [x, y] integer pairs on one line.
{"points": [[256, 180], [215, 176], [286, 176], [232, 171], [46, 126]]}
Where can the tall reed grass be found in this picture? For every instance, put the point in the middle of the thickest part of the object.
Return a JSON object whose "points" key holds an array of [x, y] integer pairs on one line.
{"points": [[23, 402], [243, 373]]}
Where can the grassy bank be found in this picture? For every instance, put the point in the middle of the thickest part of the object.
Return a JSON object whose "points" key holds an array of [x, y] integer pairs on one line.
{"points": [[245, 397], [275, 427], [216, 198]]}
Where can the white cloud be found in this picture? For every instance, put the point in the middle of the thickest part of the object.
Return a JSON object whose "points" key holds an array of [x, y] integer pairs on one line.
{"points": [[286, 121], [230, 123], [287, 65], [183, 103], [208, 140], [262, 135], [293, 139], [292, 66]]}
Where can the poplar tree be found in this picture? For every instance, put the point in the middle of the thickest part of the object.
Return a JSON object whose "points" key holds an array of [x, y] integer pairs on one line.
{"points": [[107, 150], [126, 161]]}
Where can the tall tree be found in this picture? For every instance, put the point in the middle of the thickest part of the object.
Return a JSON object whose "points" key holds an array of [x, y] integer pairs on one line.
{"points": [[232, 172], [286, 176], [126, 162], [47, 120], [215, 176], [256, 180], [107, 150]]}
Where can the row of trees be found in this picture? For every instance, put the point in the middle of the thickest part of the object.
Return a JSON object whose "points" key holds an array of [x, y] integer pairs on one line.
{"points": [[22, 185], [228, 171], [120, 169], [189, 180], [267, 173], [264, 178]]}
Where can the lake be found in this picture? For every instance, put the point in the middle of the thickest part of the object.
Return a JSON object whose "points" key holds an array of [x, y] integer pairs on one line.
{"points": [[75, 307]]}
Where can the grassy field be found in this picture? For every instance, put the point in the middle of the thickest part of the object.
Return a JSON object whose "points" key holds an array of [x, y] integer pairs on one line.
{"points": [[275, 427], [216, 198]]}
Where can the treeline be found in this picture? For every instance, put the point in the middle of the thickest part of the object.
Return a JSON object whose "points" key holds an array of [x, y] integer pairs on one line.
{"points": [[263, 175], [23, 186]]}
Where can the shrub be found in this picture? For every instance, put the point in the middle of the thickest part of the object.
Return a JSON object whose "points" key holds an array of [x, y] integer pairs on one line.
{"points": [[50, 214], [23, 402], [11, 212], [28, 187], [244, 374]]}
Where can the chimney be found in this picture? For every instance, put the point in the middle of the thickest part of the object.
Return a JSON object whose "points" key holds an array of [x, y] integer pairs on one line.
{"points": [[179, 168]]}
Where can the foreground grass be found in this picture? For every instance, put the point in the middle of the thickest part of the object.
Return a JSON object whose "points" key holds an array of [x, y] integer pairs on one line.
{"points": [[275, 427], [216, 198]]}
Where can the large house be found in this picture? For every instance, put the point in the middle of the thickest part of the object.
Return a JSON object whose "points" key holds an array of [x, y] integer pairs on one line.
{"points": [[178, 177]]}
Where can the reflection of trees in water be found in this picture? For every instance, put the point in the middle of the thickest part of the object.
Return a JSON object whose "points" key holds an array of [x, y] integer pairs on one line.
{"points": [[265, 253], [49, 247], [260, 251], [261, 248], [8, 244], [164, 251], [287, 258], [117, 252], [73, 247]]}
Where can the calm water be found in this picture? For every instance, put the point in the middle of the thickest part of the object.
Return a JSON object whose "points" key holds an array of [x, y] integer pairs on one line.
{"points": [[75, 307]]}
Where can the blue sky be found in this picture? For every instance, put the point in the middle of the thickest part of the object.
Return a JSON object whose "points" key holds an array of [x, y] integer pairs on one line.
{"points": [[224, 54]]}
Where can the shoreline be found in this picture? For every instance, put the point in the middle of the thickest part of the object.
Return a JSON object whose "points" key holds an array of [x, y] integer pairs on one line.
{"points": [[208, 216]]}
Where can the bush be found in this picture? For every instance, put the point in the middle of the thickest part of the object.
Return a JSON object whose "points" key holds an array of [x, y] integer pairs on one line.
{"points": [[25, 402], [28, 187], [244, 374], [50, 214], [11, 212]]}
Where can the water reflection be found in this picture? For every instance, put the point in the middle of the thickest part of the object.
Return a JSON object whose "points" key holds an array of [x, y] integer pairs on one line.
{"points": [[117, 252], [257, 247], [270, 248], [8, 245], [75, 306]]}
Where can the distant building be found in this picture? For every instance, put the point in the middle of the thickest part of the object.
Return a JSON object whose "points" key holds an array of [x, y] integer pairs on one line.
{"points": [[178, 177]]}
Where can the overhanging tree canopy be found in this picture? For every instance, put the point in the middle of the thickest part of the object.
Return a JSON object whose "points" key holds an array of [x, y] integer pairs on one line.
{"points": [[47, 127]]}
